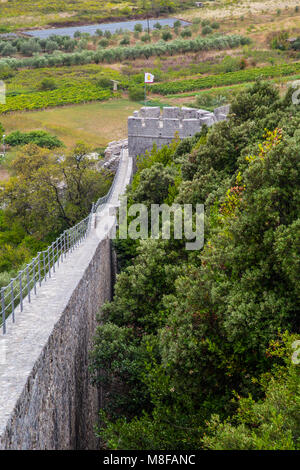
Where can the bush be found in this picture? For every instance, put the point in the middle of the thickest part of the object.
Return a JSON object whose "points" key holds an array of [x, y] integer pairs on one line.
{"points": [[99, 32], [125, 41], [107, 34], [30, 47], [186, 33], [166, 35], [269, 424], [138, 27], [47, 84], [104, 82], [146, 37], [296, 45], [9, 50], [206, 30], [51, 46], [157, 26], [215, 25], [40, 138], [103, 43], [279, 40], [243, 63], [6, 72], [136, 93]]}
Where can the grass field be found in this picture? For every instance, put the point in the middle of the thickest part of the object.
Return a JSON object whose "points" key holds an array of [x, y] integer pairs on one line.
{"points": [[37, 13], [94, 123], [228, 9]]}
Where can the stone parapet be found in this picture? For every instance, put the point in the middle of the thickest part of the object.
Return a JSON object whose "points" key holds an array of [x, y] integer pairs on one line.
{"points": [[150, 126]]}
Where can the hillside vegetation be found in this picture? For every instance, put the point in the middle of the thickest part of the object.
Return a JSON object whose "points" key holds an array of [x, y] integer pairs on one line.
{"points": [[195, 349]]}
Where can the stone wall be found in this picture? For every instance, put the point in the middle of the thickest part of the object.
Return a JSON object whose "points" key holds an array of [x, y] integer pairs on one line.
{"points": [[149, 125], [46, 397], [57, 408]]}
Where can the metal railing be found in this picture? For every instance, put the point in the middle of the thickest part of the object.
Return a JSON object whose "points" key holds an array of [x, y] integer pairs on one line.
{"points": [[40, 269], [44, 265], [103, 200]]}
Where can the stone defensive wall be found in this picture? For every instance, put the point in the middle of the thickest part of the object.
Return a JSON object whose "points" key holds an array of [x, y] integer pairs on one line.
{"points": [[47, 401], [150, 125]]}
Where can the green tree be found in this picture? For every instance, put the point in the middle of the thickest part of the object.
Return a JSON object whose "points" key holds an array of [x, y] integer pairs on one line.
{"points": [[202, 321], [47, 195], [269, 424]]}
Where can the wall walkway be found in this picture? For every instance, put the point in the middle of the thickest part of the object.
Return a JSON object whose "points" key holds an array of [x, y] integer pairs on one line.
{"points": [[46, 400]]}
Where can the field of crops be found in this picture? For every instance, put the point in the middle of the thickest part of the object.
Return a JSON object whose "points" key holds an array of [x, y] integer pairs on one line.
{"points": [[59, 97], [23, 81], [221, 79]]}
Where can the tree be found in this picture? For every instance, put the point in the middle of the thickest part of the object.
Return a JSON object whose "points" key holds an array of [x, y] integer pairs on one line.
{"points": [[47, 194], [270, 424], [9, 50], [201, 322]]}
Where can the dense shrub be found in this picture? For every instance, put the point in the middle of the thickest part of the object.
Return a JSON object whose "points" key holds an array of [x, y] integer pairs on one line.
{"points": [[206, 30], [146, 37], [269, 424], [125, 41], [186, 33], [138, 27], [107, 34], [200, 328], [103, 43], [136, 93], [105, 82], [47, 84], [166, 35], [8, 50], [40, 138]]}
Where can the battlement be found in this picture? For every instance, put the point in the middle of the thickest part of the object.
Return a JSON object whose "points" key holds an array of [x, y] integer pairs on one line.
{"points": [[151, 125]]}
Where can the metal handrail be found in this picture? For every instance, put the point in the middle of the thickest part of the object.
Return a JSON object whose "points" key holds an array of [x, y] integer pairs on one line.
{"points": [[103, 200], [43, 266]]}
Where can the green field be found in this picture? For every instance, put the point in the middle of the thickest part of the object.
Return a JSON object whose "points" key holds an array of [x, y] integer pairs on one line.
{"points": [[36, 13], [94, 123]]}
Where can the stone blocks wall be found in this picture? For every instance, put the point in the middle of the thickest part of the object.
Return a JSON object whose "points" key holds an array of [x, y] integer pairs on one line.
{"points": [[58, 408], [149, 126]]}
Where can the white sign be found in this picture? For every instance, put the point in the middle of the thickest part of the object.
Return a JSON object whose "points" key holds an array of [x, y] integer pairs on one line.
{"points": [[149, 78]]}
